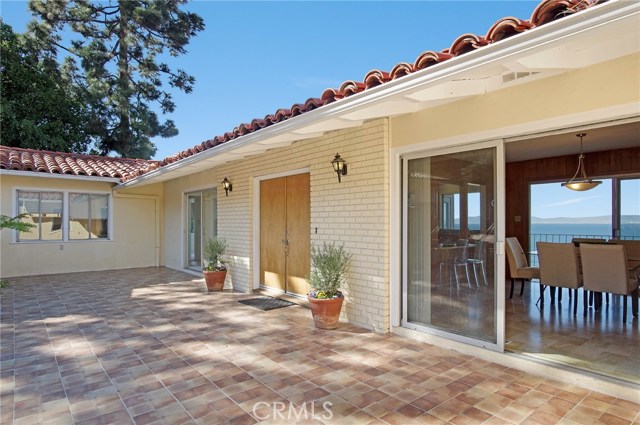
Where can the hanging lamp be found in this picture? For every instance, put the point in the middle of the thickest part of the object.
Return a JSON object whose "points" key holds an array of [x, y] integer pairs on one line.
{"points": [[583, 183]]}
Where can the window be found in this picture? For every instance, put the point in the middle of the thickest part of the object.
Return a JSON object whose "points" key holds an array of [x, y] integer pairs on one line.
{"points": [[88, 216], [45, 211], [62, 216]]}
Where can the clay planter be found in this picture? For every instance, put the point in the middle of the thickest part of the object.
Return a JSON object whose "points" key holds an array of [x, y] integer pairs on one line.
{"points": [[326, 312], [214, 280]]}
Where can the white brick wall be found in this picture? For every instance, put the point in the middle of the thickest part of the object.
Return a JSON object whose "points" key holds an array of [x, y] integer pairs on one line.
{"points": [[354, 212]]}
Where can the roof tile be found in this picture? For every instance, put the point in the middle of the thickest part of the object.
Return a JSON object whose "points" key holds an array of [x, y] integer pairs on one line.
{"points": [[20, 159], [126, 169]]}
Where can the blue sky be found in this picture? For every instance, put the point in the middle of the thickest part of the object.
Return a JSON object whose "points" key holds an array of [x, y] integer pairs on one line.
{"points": [[256, 57]]}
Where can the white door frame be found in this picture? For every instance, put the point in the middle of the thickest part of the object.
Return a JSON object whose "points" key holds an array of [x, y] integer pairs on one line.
{"points": [[256, 217], [398, 237]]}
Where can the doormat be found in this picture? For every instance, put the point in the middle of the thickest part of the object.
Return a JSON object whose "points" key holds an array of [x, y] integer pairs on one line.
{"points": [[266, 303]]}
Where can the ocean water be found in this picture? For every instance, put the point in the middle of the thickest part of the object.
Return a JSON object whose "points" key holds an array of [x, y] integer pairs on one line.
{"points": [[564, 232], [579, 229]]}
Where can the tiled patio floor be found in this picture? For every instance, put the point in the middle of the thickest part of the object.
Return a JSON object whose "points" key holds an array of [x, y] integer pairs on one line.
{"points": [[150, 346]]}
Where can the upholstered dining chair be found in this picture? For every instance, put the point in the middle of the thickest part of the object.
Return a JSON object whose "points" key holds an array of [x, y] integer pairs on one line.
{"points": [[518, 265], [559, 269], [605, 269], [632, 247]]}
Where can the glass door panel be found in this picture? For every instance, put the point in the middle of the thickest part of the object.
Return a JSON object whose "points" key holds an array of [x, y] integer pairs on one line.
{"points": [[209, 215], [202, 224], [194, 224], [450, 279]]}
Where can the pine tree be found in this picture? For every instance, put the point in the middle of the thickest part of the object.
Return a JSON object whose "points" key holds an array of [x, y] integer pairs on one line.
{"points": [[115, 62]]}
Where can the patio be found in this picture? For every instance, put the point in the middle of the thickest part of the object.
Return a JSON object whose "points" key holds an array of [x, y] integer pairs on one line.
{"points": [[150, 346]]}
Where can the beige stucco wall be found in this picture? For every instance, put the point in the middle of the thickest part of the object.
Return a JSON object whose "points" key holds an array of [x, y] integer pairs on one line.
{"points": [[600, 86], [135, 224], [354, 212]]}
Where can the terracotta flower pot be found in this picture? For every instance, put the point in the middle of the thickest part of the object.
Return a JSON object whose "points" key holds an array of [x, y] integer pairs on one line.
{"points": [[326, 312], [214, 280]]}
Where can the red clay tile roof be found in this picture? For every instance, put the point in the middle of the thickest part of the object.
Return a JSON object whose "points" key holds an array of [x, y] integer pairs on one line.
{"points": [[127, 169], [73, 164], [546, 11]]}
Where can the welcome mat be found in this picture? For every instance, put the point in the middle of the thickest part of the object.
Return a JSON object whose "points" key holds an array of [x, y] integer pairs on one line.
{"points": [[266, 303]]}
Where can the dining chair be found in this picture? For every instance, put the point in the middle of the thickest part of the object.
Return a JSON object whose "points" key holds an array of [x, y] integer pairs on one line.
{"points": [[456, 264], [478, 260], [518, 265], [632, 247], [605, 269], [559, 269]]}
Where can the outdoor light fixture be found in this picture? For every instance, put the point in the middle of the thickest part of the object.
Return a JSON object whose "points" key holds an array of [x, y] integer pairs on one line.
{"points": [[227, 186], [585, 183], [339, 166]]}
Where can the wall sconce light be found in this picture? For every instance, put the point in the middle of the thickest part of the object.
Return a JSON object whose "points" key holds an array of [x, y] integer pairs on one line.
{"points": [[227, 186], [339, 166], [584, 183]]}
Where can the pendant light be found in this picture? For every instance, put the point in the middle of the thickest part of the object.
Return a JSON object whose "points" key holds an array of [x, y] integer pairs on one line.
{"points": [[584, 183]]}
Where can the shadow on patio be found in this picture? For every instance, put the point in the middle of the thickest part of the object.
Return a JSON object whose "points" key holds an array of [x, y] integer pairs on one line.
{"points": [[151, 346]]}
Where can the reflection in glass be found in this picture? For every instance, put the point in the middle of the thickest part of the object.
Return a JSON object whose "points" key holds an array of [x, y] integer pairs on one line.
{"points": [[44, 210], [450, 243], [88, 216]]}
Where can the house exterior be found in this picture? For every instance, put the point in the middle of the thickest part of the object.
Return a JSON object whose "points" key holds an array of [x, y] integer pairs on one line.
{"points": [[476, 121]]}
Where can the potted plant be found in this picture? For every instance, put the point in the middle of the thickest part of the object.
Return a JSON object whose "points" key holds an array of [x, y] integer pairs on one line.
{"points": [[329, 266], [215, 267]]}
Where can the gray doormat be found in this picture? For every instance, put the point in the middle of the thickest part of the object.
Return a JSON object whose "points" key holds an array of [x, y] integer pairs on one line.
{"points": [[267, 303]]}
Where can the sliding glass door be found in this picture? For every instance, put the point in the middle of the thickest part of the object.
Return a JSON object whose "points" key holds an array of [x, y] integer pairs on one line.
{"points": [[451, 266], [201, 224]]}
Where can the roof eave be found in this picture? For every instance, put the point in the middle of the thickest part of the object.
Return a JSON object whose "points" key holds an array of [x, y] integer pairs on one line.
{"points": [[546, 36], [20, 173]]}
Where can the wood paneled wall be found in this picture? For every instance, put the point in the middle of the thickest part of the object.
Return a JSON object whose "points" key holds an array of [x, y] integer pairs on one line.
{"points": [[519, 175]]}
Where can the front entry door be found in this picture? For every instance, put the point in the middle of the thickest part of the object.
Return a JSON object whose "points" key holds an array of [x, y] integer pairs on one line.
{"points": [[285, 233]]}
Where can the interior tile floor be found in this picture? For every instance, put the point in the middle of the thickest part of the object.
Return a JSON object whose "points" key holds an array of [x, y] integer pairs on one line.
{"points": [[600, 342], [150, 346]]}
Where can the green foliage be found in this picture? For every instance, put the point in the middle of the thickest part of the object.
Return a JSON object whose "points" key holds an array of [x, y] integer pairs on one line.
{"points": [[214, 251], [38, 108], [3, 284], [14, 223], [329, 267], [115, 63]]}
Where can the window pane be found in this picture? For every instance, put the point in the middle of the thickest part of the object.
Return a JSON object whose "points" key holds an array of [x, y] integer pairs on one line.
{"points": [[450, 247], [44, 209], [99, 216], [79, 216], [29, 204], [559, 214]]}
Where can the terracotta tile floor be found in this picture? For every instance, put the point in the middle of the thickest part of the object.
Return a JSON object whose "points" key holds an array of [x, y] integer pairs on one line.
{"points": [[150, 346]]}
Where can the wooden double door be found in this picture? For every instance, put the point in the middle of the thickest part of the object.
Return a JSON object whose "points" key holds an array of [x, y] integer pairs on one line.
{"points": [[285, 233]]}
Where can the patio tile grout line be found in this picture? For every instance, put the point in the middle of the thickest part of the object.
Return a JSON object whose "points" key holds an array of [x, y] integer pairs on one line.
{"points": [[53, 350], [145, 364]]}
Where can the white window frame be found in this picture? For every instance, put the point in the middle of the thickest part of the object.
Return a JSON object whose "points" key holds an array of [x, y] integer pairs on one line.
{"points": [[89, 194], [65, 214]]}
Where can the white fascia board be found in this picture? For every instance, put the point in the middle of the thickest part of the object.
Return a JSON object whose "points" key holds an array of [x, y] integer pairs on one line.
{"points": [[518, 46], [58, 176]]}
